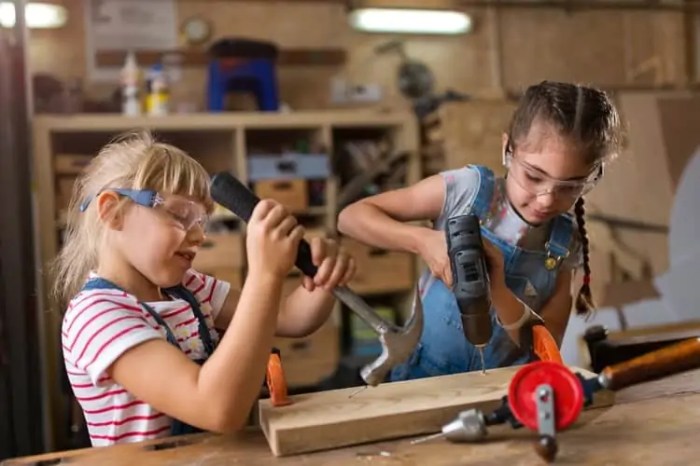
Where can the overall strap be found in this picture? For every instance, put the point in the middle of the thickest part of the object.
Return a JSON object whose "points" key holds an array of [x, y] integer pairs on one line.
{"points": [[484, 197], [183, 293], [559, 242], [178, 292]]}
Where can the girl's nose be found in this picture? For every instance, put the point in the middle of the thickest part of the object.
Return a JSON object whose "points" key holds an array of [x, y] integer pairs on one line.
{"points": [[195, 234], [546, 200]]}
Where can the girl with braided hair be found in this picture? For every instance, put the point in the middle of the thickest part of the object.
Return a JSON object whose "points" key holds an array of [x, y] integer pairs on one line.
{"points": [[560, 137]]}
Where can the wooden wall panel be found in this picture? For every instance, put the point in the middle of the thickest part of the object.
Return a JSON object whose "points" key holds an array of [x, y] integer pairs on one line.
{"points": [[599, 47], [641, 184], [60, 52]]}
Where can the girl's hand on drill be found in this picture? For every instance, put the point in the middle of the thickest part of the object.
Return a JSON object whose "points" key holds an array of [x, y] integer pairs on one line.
{"points": [[433, 250], [272, 240], [335, 266], [494, 262]]}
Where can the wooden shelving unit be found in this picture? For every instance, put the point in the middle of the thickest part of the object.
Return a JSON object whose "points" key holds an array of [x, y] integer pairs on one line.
{"points": [[225, 142]]}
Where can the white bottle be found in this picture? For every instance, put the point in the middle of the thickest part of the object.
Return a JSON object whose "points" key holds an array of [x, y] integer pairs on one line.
{"points": [[131, 102]]}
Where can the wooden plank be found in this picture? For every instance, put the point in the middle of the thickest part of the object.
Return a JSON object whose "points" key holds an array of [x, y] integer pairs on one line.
{"points": [[331, 419], [687, 329], [197, 57]]}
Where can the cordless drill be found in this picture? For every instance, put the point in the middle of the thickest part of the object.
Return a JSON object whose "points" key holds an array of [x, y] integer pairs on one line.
{"points": [[470, 278]]}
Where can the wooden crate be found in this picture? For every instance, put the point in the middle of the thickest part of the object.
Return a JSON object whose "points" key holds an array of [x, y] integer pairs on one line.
{"points": [[307, 361], [220, 251], [292, 194], [379, 270], [71, 164]]}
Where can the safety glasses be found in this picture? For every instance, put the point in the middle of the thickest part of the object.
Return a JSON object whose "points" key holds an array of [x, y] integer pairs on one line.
{"points": [[537, 183], [184, 212]]}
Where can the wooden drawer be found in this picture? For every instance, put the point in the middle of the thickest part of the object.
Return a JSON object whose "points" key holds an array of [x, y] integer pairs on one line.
{"points": [[220, 251], [379, 270], [290, 193], [71, 164], [307, 361]]}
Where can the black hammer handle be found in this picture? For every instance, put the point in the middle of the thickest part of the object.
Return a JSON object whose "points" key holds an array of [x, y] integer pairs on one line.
{"points": [[228, 191], [236, 197]]}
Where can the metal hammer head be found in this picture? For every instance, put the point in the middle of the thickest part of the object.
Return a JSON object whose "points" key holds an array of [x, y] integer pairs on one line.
{"points": [[397, 344]]}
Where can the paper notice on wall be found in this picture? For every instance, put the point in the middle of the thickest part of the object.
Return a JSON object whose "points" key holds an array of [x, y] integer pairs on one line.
{"points": [[125, 25]]}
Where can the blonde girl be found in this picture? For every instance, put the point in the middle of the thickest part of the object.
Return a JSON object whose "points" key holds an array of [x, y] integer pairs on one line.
{"points": [[140, 340]]}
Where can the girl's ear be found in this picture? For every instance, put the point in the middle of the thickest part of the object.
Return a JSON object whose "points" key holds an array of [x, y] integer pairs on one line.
{"points": [[504, 145], [108, 210]]}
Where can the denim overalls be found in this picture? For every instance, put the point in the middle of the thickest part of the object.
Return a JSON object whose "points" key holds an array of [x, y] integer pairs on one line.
{"points": [[179, 292], [530, 275]]}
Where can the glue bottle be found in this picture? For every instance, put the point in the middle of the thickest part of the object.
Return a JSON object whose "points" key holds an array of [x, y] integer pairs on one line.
{"points": [[131, 103]]}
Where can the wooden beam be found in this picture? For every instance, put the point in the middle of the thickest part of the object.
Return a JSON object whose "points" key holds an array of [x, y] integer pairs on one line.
{"points": [[582, 5], [194, 57], [331, 419]]}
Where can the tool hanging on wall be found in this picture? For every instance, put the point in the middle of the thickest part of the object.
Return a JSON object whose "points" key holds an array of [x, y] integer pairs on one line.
{"points": [[416, 81], [547, 397]]}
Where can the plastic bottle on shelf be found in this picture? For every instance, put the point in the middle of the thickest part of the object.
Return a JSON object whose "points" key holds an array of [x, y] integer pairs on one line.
{"points": [[158, 97], [131, 102]]}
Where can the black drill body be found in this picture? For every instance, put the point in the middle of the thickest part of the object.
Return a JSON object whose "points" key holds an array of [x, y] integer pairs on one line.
{"points": [[470, 278]]}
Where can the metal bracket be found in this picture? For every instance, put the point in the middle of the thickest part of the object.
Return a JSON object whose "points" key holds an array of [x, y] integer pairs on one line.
{"points": [[546, 422]]}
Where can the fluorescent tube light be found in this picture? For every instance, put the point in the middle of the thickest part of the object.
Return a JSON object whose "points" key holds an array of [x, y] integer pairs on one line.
{"points": [[38, 15], [413, 21]]}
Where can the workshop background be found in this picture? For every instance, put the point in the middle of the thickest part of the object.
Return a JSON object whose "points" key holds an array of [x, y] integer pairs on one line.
{"points": [[317, 113]]}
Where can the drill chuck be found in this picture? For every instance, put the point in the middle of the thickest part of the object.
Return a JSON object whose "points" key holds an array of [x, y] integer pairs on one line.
{"points": [[470, 279], [469, 426]]}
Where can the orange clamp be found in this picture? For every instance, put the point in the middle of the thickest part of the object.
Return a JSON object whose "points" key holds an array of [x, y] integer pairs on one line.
{"points": [[276, 382], [544, 345]]}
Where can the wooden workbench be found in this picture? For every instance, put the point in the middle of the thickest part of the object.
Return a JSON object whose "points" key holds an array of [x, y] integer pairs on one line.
{"points": [[654, 423]]}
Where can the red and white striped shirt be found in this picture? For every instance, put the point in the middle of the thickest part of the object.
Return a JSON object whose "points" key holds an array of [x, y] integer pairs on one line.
{"points": [[100, 325]]}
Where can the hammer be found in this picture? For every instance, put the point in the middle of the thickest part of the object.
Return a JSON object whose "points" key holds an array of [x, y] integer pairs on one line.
{"points": [[397, 342]]}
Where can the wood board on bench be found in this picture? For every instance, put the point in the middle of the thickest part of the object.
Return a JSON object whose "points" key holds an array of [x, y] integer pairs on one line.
{"points": [[331, 419]]}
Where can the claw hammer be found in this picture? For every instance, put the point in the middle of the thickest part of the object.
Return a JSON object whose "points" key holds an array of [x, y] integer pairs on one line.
{"points": [[397, 342]]}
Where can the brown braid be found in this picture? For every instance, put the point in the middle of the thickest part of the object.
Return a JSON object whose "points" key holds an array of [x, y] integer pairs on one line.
{"points": [[587, 117], [584, 300]]}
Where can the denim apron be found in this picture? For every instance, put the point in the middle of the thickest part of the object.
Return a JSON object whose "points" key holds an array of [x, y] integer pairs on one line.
{"points": [[177, 292], [530, 275]]}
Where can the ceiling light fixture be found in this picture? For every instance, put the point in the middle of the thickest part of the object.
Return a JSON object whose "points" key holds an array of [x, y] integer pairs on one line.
{"points": [[38, 15], [410, 21]]}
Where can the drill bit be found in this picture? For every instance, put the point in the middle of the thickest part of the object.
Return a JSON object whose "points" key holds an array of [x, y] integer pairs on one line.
{"points": [[483, 363], [357, 391], [428, 438]]}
